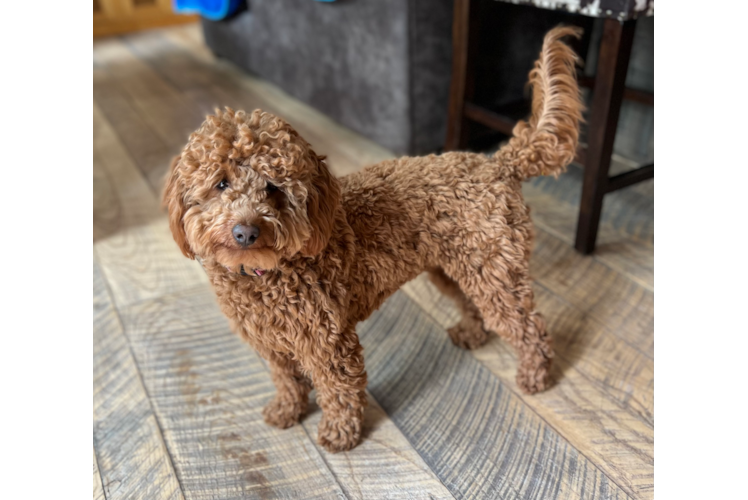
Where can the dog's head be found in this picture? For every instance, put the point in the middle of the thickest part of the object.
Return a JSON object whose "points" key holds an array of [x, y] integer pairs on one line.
{"points": [[248, 191]]}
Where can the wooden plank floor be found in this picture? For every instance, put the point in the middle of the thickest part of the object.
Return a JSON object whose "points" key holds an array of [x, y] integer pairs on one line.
{"points": [[178, 398]]}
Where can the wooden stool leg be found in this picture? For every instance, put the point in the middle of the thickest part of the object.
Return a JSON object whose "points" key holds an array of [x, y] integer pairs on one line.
{"points": [[460, 37], [607, 96]]}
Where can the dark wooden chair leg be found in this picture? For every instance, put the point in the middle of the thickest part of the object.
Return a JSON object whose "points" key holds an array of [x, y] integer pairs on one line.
{"points": [[456, 133], [613, 61]]}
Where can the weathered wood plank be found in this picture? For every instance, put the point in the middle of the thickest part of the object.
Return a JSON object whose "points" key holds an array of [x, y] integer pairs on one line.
{"points": [[98, 489], [208, 388], [132, 458], [192, 37], [625, 239], [624, 373], [602, 293], [180, 68], [138, 255], [122, 188], [165, 109], [143, 144], [383, 465], [603, 401], [107, 216], [473, 432]]}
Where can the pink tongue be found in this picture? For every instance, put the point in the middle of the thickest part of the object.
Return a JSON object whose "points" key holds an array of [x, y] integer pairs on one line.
{"points": [[259, 272]]}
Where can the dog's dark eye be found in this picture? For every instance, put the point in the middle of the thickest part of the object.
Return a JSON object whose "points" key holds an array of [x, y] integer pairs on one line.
{"points": [[272, 188], [222, 185]]}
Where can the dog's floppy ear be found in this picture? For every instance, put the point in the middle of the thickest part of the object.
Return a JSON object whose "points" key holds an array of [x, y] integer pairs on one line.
{"points": [[174, 202], [322, 201]]}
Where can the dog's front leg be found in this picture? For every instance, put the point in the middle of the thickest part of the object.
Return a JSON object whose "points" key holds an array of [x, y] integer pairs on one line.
{"points": [[291, 401], [340, 379]]}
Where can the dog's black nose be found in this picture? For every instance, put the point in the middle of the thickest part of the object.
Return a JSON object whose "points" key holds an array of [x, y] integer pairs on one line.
{"points": [[245, 235]]}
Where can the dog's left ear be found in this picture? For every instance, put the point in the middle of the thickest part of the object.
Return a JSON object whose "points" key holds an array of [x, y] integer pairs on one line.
{"points": [[173, 200], [322, 201]]}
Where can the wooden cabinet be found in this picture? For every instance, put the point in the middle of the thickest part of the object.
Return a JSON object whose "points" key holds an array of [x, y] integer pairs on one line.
{"points": [[112, 17]]}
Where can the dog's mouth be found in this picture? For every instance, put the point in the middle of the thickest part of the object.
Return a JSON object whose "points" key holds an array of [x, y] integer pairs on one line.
{"points": [[250, 262], [257, 272]]}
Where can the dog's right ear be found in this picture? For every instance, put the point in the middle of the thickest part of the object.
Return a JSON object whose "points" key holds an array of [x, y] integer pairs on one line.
{"points": [[173, 200], [323, 201]]}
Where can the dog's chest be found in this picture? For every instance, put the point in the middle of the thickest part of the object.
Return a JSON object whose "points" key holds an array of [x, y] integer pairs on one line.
{"points": [[280, 314]]}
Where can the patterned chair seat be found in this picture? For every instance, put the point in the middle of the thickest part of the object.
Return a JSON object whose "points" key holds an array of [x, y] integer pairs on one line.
{"points": [[623, 10]]}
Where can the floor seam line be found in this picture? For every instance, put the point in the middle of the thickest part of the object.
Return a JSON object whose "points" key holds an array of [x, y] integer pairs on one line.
{"points": [[98, 469]]}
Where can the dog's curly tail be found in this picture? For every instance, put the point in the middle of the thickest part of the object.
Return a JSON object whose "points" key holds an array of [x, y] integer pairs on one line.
{"points": [[547, 143]]}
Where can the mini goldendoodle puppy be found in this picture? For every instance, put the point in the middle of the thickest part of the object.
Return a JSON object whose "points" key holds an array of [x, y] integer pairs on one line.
{"points": [[298, 258]]}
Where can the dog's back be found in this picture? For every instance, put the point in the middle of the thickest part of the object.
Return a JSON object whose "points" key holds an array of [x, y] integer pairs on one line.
{"points": [[409, 213]]}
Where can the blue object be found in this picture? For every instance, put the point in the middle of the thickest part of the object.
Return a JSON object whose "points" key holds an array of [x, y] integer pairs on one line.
{"points": [[215, 10]]}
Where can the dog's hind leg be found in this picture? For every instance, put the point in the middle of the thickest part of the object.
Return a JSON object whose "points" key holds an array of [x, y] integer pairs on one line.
{"points": [[469, 332], [502, 292]]}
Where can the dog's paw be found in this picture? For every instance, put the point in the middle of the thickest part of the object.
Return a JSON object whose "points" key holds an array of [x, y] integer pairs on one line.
{"points": [[468, 338], [536, 379], [282, 413], [340, 433]]}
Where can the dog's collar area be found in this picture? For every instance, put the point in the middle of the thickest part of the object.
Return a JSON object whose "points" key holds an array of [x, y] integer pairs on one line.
{"points": [[255, 272]]}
